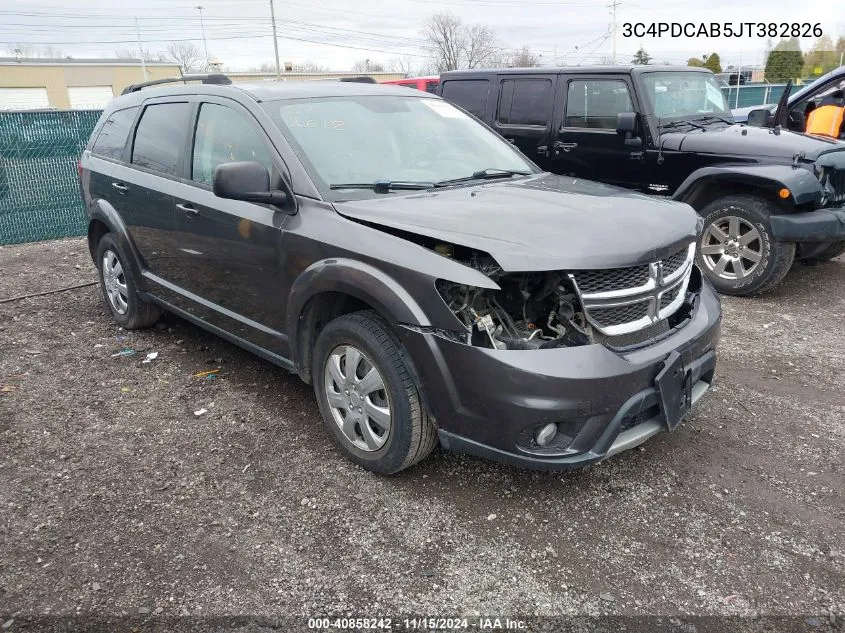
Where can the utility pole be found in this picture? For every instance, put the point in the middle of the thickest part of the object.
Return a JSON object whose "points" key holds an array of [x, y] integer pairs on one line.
{"points": [[204, 43], [613, 6], [141, 49], [275, 42]]}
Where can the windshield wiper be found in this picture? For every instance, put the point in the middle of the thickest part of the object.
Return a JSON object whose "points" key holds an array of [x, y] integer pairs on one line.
{"points": [[712, 117], [681, 122], [384, 186], [483, 174]]}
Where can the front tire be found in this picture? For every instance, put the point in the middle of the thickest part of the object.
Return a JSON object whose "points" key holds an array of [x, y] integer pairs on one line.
{"points": [[370, 404], [737, 251], [120, 288]]}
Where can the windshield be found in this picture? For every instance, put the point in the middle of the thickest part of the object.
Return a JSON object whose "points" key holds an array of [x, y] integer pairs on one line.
{"points": [[676, 95], [365, 139]]}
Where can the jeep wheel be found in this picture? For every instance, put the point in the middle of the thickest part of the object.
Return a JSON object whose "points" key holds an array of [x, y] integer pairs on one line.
{"points": [[119, 288], [370, 404], [737, 251]]}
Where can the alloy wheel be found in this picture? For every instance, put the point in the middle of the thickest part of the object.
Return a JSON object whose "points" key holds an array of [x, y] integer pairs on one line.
{"points": [[114, 280], [731, 248], [357, 398]]}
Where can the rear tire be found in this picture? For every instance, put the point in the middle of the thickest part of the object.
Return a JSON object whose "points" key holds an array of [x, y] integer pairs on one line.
{"points": [[120, 288], [372, 410], [737, 251]]}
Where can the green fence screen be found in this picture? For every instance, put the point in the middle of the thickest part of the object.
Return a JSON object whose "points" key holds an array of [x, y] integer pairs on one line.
{"points": [[39, 187]]}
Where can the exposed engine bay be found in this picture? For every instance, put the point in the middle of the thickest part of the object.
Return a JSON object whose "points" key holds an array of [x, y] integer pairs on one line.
{"points": [[534, 310]]}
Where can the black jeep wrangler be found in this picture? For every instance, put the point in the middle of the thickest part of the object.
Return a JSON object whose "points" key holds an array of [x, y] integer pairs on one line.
{"points": [[767, 195]]}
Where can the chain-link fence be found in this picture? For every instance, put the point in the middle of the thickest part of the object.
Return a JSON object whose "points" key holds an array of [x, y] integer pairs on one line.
{"points": [[39, 186]]}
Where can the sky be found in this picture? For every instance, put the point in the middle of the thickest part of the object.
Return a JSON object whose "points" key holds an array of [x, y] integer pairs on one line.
{"points": [[337, 33]]}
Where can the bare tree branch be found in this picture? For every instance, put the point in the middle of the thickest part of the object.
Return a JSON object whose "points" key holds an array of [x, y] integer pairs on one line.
{"points": [[453, 45], [187, 55], [367, 66]]}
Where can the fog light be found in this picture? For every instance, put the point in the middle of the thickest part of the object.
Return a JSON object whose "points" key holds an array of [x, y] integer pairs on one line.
{"points": [[545, 434]]}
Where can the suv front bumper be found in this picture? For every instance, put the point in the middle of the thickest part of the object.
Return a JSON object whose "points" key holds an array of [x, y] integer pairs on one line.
{"points": [[822, 225], [490, 402]]}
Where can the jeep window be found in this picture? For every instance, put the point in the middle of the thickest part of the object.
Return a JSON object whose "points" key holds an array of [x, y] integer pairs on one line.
{"points": [[389, 138], [595, 104], [224, 136], [112, 138], [470, 94], [160, 136], [684, 94], [525, 102]]}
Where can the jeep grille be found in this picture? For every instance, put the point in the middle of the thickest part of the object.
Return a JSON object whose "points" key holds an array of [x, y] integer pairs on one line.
{"points": [[620, 301]]}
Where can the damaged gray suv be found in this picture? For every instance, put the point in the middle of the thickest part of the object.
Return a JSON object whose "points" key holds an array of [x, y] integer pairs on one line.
{"points": [[429, 281]]}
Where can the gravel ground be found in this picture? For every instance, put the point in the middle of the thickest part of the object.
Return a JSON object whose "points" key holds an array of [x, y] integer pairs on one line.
{"points": [[117, 500]]}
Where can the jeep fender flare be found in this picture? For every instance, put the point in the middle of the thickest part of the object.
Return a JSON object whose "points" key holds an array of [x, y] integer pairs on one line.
{"points": [[103, 212], [804, 188]]}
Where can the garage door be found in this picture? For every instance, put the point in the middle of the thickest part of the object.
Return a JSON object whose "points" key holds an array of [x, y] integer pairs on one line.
{"points": [[89, 97], [23, 98]]}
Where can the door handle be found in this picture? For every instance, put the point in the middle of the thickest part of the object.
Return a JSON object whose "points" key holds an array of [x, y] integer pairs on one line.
{"points": [[188, 210], [566, 147], [120, 187], [543, 150]]}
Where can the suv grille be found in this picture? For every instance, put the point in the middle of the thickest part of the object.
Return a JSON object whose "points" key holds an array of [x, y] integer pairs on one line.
{"points": [[620, 301]]}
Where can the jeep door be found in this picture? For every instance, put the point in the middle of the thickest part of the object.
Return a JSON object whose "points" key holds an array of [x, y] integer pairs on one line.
{"points": [[587, 144], [229, 264], [524, 114], [144, 187]]}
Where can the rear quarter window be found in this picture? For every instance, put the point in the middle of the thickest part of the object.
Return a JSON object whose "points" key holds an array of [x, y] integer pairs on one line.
{"points": [[470, 94], [112, 137]]}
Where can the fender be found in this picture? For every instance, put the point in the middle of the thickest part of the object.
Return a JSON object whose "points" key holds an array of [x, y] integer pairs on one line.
{"points": [[104, 212], [356, 279], [803, 186]]}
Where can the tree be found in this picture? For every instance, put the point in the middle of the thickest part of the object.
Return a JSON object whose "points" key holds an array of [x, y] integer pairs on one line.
{"points": [[453, 45], [404, 64], [713, 63], [822, 58], [785, 61], [187, 55], [128, 53], [367, 66], [695, 62], [308, 67], [523, 58], [26, 51], [641, 58]]}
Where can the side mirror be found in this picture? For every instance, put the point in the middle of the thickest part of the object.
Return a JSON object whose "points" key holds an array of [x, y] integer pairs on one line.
{"points": [[626, 123], [761, 117], [246, 180]]}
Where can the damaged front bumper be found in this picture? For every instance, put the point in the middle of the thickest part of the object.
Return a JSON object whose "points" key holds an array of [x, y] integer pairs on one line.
{"points": [[491, 403]]}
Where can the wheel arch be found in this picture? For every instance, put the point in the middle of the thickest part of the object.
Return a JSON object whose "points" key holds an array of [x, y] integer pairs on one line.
{"points": [[707, 184], [330, 288], [104, 219]]}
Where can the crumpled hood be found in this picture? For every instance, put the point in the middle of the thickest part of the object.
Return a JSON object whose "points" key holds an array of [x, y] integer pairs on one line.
{"points": [[545, 222], [743, 140]]}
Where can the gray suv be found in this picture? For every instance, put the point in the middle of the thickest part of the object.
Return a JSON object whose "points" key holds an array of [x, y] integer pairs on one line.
{"points": [[430, 282]]}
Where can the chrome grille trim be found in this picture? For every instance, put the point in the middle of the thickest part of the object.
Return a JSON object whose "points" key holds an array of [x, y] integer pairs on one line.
{"points": [[659, 285]]}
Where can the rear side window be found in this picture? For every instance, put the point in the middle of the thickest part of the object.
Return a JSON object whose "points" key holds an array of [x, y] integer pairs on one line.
{"points": [[224, 136], [525, 102], [112, 137], [595, 104], [160, 136], [431, 87], [470, 94]]}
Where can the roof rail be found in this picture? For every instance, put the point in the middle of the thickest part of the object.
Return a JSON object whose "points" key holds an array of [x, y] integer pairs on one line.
{"points": [[209, 78]]}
